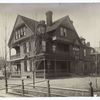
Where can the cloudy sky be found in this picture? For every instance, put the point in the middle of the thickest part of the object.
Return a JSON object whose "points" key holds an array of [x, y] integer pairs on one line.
{"points": [[86, 18]]}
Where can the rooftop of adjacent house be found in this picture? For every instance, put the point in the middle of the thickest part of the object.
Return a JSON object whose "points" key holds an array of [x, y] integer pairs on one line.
{"points": [[97, 49]]}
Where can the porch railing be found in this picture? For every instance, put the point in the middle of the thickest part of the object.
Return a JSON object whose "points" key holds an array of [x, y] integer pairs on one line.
{"points": [[51, 73], [15, 56]]}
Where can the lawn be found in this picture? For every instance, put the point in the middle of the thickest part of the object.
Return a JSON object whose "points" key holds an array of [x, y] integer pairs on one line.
{"points": [[74, 82]]}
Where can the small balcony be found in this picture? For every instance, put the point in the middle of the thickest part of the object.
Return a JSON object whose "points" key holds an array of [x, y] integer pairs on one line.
{"points": [[88, 58], [60, 39], [15, 56], [60, 55]]}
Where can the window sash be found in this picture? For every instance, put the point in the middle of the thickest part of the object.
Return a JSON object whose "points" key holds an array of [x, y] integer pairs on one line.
{"points": [[29, 46], [63, 31], [43, 46], [24, 47], [84, 52], [20, 32]]}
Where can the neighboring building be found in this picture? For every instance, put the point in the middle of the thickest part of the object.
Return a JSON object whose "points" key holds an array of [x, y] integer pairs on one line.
{"points": [[51, 49], [96, 64]]}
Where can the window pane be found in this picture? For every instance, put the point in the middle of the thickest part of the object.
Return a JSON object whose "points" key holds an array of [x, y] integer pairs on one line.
{"points": [[54, 48], [21, 30], [29, 46], [65, 32], [84, 52], [61, 31], [28, 66], [24, 30], [16, 35], [24, 47], [43, 45]]}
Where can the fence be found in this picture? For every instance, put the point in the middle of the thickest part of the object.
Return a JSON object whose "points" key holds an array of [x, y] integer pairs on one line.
{"points": [[37, 90]]}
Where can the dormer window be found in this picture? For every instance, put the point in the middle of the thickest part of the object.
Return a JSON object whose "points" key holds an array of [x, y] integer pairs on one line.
{"points": [[63, 31]]}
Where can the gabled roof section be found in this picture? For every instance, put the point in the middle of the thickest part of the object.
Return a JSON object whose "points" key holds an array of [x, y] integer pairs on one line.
{"points": [[59, 22], [32, 24], [69, 25]]}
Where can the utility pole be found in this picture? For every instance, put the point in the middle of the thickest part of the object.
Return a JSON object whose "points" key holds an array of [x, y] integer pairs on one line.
{"points": [[6, 82], [96, 62]]}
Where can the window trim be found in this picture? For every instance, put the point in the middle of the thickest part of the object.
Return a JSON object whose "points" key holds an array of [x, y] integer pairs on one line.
{"points": [[63, 31], [20, 32]]}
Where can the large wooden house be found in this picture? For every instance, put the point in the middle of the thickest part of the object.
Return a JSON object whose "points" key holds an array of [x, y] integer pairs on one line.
{"points": [[50, 49]]}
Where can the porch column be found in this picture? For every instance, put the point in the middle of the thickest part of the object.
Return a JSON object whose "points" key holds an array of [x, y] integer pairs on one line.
{"points": [[34, 72], [48, 68], [10, 59]]}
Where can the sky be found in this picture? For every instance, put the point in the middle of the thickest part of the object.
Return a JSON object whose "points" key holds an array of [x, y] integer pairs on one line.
{"points": [[85, 17]]}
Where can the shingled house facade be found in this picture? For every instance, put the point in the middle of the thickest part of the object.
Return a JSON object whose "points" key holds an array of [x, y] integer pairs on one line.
{"points": [[50, 49]]}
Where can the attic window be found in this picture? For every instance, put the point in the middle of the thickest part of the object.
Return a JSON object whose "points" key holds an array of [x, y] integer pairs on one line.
{"points": [[20, 32], [63, 31]]}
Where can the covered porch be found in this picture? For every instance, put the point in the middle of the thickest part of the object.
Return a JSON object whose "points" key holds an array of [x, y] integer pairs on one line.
{"points": [[52, 69], [15, 69]]}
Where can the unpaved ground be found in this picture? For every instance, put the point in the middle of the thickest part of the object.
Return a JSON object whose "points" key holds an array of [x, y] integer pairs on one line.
{"points": [[75, 82]]}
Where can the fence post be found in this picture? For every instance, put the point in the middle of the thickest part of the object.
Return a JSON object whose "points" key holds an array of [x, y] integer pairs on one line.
{"points": [[22, 87], [91, 89], [48, 87], [33, 79], [6, 80]]}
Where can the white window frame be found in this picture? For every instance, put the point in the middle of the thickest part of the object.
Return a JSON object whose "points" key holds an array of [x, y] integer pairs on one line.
{"points": [[27, 47], [63, 31], [43, 46], [54, 47], [84, 52]]}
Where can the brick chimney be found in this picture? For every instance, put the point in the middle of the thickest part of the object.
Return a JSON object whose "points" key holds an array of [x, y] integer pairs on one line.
{"points": [[49, 18]]}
